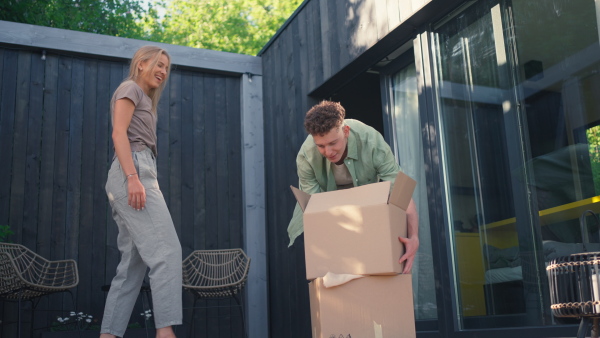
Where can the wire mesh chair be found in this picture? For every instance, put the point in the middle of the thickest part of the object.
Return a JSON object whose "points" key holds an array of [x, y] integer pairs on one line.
{"points": [[216, 274], [27, 276]]}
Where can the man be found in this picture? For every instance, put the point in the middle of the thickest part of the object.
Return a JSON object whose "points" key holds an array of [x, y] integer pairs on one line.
{"points": [[341, 154]]}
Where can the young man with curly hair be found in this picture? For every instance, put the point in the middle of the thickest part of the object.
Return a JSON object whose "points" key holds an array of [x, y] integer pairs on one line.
{"points": [[343, 153]]}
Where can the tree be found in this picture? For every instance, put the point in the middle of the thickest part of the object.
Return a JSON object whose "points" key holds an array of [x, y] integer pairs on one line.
{"points": [[237, 26], [110, 17]]}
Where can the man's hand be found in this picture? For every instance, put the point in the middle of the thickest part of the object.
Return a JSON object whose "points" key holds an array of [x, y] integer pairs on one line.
{"points": [[411, 245]]}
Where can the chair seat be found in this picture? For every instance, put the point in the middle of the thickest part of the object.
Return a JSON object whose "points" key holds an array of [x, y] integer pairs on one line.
{"points": [[26, 275], [215, 273]]}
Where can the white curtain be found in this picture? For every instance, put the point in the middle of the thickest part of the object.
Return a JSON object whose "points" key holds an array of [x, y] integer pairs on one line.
{"points": [[409, 146]]}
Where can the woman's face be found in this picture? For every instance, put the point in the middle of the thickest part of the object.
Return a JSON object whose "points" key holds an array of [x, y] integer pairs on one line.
{"points": [[152, 78]]}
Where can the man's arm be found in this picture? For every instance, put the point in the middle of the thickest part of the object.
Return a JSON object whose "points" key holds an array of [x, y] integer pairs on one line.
{"points": [[307, 183], [411, 244], [387, 168]]}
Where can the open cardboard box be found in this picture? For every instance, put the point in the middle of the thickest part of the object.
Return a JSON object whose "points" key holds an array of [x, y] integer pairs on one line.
{"points": [[355, 231], [368, 307]]}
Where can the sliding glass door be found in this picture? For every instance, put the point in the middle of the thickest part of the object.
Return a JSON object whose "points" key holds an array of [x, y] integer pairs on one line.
{"points": [[516, 85]]}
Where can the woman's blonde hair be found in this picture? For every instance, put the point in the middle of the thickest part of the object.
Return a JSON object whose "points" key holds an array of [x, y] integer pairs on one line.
{"points": [[151, 54]]}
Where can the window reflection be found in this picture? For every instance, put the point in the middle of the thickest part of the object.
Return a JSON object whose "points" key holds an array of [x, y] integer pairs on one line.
{"points": [[409, 146], [517, 86]]}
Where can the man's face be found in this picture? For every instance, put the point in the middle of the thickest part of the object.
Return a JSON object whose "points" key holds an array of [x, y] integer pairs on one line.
{"points": [[333, 144]]}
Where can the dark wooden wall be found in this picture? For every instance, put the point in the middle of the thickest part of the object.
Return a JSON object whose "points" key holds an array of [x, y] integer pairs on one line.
{"points": [[55, 151], [323, 38]]}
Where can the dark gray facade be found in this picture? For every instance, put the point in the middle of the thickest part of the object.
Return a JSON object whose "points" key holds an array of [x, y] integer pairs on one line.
{"points": [[498, 91]]}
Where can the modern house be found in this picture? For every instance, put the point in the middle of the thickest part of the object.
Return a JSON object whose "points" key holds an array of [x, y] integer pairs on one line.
{"points": [[491, 106]]}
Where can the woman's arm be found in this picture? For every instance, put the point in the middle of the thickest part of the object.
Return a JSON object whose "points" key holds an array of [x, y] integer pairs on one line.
{"points": [[123, 112]]}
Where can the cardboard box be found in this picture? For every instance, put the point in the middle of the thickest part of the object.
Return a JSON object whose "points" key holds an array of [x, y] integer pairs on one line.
{"points": [[355, 231], [368, 307]]}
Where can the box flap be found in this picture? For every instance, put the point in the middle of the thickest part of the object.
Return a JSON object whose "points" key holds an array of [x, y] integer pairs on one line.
{"points": [[369, 194], [403, 190], [301, 197]]}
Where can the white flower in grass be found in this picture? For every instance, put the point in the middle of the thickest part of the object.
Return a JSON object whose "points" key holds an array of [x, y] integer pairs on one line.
{"points": [[72, 313], [88, 320]]}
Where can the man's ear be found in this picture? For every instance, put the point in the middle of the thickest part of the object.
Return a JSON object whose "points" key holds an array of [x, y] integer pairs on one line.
{"points": [[346, 130]]}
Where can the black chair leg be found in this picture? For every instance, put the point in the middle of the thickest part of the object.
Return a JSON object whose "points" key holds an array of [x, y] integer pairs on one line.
{"points": [[19, 318], [583, 327], [193, 321], [31, 317], [145, 306], [241, 306]]}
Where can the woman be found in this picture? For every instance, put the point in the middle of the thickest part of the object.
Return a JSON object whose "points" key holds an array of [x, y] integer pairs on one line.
{"points": [[147, 236]]}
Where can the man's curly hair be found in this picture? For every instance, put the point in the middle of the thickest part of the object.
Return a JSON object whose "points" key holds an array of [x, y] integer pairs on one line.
{"points": [[323, 117]]}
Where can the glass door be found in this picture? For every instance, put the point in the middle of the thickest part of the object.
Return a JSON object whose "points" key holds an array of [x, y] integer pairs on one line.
{"points": [[483, 157], [408, 146], [516, 84]]}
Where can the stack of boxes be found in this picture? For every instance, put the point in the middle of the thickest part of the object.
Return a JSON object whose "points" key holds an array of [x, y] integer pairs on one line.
{"points": [[355, 231]]}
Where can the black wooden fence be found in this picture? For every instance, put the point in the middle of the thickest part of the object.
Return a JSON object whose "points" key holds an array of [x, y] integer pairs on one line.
{"points": [[55, 151]]}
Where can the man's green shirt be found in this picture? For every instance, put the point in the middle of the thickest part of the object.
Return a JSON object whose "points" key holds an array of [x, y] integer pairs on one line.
{"points": [[369, 160]]}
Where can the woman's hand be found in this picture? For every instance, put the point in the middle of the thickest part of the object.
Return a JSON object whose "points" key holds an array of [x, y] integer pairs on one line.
{"points": [[136, 192]]}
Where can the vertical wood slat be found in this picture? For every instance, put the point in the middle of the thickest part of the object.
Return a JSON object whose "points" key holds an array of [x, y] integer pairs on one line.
{"points": [[112, 252], [75, 142], [19, 144], [88, 171], [61, 159], [314, 44], [175, 141], [101, 161], [222, 147], [186, 163], [162, 133], [199, 179], [380, 20], [280, 322], [393, 13], [406, 9], [7, 122], [337, 33], [287, 74], [325, 38], [234, 161], [32, 170]]}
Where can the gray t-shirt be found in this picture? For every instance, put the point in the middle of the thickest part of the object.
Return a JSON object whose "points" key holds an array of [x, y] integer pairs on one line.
{"points": [[343, 178], [142, 129]]}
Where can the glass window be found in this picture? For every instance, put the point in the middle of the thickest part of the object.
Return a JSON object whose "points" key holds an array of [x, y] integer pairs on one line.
{"points": [[516, 84], [409, 149]]}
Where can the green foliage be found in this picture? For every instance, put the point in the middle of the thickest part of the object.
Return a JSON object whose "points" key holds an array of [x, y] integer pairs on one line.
{"points": [[109, 17], [593, 137], [237, 26], [5, 232]]}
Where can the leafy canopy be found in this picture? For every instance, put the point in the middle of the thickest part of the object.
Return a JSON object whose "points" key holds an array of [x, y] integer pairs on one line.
{"points": [[110, 17], [237, 26]]}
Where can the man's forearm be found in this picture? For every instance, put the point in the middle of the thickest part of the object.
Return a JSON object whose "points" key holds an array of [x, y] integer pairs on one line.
{"points": [[412, 220]]}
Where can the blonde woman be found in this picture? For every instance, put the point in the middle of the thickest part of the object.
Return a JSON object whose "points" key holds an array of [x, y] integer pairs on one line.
{"points": [[147, 237]]}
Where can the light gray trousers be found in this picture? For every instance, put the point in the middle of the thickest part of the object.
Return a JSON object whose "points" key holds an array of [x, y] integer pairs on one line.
{"points": [[147, 239]]}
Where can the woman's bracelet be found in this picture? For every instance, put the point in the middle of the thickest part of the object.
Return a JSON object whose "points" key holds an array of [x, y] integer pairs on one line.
{"points": [[127, 177]]}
